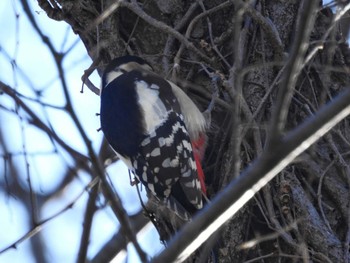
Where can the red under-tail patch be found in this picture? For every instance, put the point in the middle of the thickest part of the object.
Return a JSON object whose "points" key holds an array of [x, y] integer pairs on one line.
{"points": [[200, 173], [198, 152]]}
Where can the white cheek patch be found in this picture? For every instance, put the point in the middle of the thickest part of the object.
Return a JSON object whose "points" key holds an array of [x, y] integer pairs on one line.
{"points": [[153, 108], [110, 76]]}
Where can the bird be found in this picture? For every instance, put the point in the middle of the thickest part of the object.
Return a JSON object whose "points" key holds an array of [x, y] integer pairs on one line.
{"points": [[156, 130]]}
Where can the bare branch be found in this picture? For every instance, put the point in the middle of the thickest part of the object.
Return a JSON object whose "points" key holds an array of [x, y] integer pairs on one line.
{"points": [[97, 168], [89, 215], [294, 65], [41, 224], [134, 7], [118, 242], [41, 125], [252, 179]]}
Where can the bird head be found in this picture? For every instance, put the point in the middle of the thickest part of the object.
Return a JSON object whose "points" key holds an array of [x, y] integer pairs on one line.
{"points": [[121, 65]]}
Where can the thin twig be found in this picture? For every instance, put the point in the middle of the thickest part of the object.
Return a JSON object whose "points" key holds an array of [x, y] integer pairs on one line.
{"points": [[134, 7], [193, 23], [36, 229], [118, 242], [85, 78], [170, 41], [40, 124], [232, 165], [97, 168], [89, 215], [319, 195], [257, 240], [294, 65]]}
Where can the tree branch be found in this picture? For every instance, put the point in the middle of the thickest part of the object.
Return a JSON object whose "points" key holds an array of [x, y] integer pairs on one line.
{"points": [[238, 192], [97, 168], [294, 65], [118, 242]]}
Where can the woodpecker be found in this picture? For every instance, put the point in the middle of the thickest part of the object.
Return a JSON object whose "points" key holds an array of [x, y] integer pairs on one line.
{"points": [[156, 130]]}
